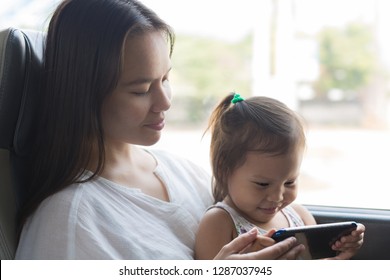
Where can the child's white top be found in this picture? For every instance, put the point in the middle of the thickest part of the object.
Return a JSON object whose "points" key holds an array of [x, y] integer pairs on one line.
{"points": [[243, 225]]}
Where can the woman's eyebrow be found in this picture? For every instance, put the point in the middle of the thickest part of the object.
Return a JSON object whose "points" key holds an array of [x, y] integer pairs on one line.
{"points": [[140, 81]]}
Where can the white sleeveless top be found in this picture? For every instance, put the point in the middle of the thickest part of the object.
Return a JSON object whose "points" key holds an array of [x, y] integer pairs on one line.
{"points": [[243, 225]]}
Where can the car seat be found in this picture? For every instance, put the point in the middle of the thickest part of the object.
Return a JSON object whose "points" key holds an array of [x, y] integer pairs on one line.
{"points": [[21, 54]]}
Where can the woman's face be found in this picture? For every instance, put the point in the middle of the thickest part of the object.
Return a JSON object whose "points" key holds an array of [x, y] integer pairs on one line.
{"points": [[135, 111]]}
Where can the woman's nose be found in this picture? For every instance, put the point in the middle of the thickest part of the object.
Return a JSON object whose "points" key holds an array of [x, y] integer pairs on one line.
{"points": [[162, 98]]}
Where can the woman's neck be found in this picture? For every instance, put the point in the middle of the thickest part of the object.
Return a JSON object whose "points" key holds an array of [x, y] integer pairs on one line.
{"points": [[133, 167]]}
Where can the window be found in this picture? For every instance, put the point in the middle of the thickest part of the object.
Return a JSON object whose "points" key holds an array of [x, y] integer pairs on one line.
{"points": [[327, 59]]}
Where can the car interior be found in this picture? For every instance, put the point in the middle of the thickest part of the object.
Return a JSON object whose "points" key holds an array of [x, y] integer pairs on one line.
{"points": [[20, 66]]}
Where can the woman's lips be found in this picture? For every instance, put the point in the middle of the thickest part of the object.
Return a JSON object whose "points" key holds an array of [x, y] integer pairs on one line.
{"points": [[159, 125]]}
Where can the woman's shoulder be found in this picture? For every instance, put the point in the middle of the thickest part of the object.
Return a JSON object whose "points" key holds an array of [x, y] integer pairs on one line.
{"points": [[69, 206], [72, 198], [65, 198], [48, 230]]}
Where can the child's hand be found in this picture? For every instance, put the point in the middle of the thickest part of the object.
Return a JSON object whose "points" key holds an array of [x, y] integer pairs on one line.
{"points": [[350, 244], [261, 242]]}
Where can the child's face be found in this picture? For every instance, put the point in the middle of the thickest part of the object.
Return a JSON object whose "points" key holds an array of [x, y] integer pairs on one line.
{"points": [[264, 185]]}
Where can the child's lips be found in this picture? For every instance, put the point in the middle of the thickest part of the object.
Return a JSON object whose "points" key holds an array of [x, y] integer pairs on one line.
{"points": [[269, 210]]}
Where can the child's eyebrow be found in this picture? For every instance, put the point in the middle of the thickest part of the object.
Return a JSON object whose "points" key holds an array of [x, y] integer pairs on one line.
{"points": [[261, 178]]}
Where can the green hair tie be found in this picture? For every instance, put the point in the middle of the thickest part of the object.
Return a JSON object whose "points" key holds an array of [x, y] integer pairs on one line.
{"points": [[237, 98]]}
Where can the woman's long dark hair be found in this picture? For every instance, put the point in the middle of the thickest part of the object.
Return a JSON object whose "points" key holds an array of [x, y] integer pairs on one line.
{"points": [[83, 62]]}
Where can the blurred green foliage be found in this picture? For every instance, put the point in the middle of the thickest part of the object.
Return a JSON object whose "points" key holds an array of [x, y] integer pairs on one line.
{"points": [[347, 59], [207, 69], [204, 71]]}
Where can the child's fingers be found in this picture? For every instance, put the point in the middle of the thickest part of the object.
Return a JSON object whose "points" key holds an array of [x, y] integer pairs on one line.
{"points": [[346, 246], [344, 256], [356, 236], [348, 242], [259, 243], [270, 233], [265, 241], [360, 228], [351, 238]]}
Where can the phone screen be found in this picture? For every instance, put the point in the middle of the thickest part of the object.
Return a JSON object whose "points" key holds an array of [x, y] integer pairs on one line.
{"points": [[317, 239]]}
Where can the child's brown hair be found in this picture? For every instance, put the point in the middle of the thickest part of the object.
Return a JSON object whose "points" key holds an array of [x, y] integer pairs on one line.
{"points": [[259, 124]]}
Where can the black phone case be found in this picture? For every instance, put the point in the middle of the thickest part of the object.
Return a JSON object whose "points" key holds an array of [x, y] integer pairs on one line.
{"points": [[318, 238]]}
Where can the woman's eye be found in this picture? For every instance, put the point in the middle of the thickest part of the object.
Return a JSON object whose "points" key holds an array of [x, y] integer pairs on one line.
{"points": [[140, 93]]}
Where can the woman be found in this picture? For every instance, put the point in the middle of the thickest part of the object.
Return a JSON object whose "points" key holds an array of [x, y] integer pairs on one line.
{"points": [[94, 193]]}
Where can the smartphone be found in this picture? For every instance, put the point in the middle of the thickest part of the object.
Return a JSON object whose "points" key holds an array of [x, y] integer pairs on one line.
{"points": [[317, 239]]}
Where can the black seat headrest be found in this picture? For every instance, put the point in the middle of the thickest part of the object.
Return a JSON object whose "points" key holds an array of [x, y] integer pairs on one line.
{"points": [[21, 56]]}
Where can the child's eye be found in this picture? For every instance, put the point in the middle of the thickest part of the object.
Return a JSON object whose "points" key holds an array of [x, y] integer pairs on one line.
{"points": [[262, 184], [290, 183]]}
